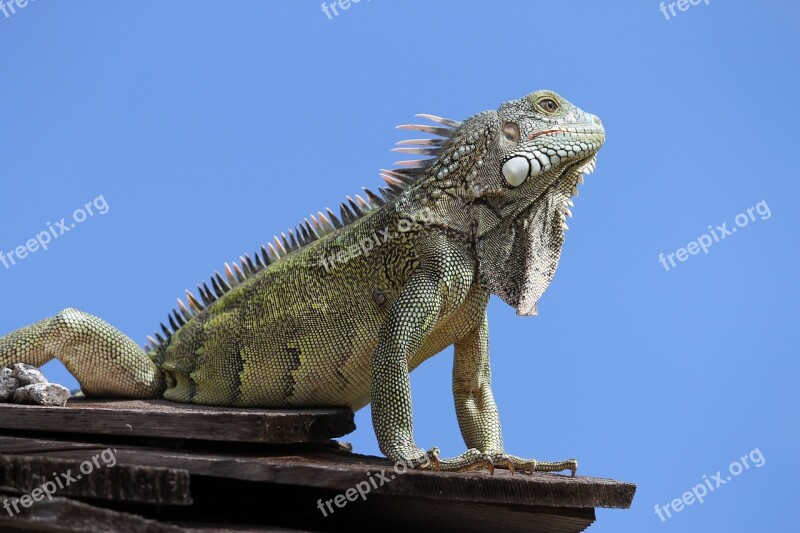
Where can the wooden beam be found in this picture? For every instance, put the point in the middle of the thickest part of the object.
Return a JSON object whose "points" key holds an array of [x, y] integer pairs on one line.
{"points": [[210, 469], [170, 420], [64, 477], [329, 468], [62, 515]]}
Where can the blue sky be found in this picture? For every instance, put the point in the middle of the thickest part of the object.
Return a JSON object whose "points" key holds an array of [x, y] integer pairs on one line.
{"points": [[208, 126]]}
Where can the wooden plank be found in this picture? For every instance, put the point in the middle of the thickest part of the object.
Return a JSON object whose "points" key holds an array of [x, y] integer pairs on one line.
{"points": [[330, 468], [432, 515], [62, 515], [191, 527], [170, 420], [297, 508], [278, 509], [82, 477]]}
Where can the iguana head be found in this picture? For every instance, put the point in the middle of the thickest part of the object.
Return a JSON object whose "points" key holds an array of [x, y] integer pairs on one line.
{"points": [[535, 151]]}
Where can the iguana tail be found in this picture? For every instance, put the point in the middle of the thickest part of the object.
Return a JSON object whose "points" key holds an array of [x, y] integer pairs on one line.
{"points": [[104, 360]]}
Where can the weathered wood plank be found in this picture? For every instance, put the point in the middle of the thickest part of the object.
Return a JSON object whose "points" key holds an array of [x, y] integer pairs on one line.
{"points": [[329, 468], [432, 515], [297, 508], [190, 527], [170, 420], [258, 485], [62, 515], [86, 478]]}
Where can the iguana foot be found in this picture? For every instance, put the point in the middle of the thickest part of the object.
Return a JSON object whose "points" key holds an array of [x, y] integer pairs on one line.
{"points": [[410, 455], [472, 459], [512, 462]]}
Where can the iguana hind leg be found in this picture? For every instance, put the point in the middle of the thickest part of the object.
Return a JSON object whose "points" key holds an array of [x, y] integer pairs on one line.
{"points": [[104, 360]]}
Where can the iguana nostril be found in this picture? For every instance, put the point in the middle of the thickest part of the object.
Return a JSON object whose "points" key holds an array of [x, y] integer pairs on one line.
{"points": [[597, 120]]}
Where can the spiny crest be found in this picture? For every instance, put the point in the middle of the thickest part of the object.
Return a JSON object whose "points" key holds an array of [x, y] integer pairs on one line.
{"points": [[318, 226]]}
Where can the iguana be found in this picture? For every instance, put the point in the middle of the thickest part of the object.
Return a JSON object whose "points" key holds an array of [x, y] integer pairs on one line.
{"points": [[338, 311]]}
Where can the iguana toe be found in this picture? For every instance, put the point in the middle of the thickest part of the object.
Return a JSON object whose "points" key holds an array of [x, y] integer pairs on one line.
{"points": [[502, 460], [532, 465], [472, 459]]}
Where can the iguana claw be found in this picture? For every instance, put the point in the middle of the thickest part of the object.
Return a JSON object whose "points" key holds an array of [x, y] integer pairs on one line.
{"points": [[433, 459]]}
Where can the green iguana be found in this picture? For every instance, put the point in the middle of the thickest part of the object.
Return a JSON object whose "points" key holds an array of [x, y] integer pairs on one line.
{"points": [[340, 310]]}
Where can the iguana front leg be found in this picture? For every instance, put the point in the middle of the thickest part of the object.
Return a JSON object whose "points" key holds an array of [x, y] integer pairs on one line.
{"points": [[411, 319], [105, 361], [476, 409]]}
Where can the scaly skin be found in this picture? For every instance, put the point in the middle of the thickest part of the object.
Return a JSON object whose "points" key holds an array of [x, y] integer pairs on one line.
{"points": [[324, 325]]}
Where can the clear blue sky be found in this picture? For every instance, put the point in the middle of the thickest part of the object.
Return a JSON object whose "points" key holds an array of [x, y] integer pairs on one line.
{"points": [[208, 126]]}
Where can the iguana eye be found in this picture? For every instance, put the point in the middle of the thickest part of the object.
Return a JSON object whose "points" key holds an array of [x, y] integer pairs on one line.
{"points": [[516, 170], [548, 105], [511, 132]]}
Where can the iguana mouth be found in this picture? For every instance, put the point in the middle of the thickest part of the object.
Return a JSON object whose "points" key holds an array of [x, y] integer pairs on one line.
{"points": [[532, 136], [576, 130]]}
